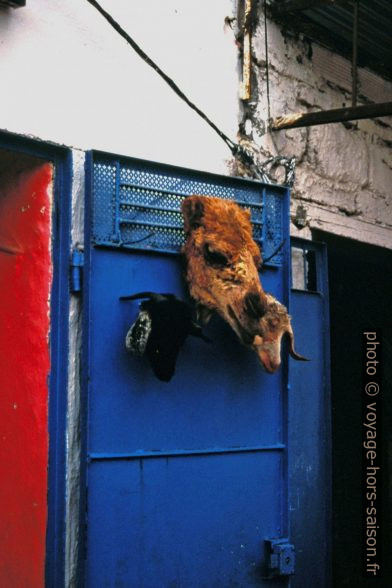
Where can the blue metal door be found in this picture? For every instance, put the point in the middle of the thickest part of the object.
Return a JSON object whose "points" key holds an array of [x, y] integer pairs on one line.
{"points": [[185, 480]]}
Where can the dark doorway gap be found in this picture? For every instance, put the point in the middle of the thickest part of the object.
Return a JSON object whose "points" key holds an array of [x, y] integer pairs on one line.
{"points": [[360, 290]]}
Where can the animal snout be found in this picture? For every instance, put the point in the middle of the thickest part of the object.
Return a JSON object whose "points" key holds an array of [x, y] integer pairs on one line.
{"points": [[254, 305], [268, 353], [270, 364]]}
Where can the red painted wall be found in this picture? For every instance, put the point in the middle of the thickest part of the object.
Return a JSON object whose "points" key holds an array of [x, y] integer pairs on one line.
{"points": [[25, 281]]}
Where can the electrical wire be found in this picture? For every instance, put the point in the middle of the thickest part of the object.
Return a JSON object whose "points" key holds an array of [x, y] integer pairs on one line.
{"points": [[237, 150], [160, 72]]}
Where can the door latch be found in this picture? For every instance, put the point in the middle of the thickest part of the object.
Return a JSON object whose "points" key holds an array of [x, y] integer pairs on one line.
{"points": [[280, 558]]}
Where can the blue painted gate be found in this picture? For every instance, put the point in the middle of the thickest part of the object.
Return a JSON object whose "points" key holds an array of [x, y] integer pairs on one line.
{"points": [[185, 480]]}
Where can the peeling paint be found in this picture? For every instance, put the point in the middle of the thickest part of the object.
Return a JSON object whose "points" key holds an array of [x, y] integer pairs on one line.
{"points": [[73, 434], [344, 170]]}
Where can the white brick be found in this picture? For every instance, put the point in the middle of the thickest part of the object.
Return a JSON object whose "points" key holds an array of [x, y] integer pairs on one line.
{"points": [[319, 190], [340, 154], [374, 207]]}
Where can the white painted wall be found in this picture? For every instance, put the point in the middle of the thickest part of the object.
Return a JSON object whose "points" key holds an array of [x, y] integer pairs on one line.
{"points": [[67, 76]]}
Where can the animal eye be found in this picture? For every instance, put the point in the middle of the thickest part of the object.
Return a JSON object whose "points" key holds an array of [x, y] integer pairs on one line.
{"points": [[215, 258]]}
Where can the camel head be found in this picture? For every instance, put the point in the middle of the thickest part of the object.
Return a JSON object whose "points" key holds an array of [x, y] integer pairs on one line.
{"points": [[222, 273]]}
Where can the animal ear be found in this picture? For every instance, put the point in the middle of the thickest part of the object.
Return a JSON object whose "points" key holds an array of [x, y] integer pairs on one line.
{"points": [[151, 295], [193, 210]]}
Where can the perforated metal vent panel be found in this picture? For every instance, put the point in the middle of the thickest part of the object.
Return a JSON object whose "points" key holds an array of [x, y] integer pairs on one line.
{"points": [[137, 204]]}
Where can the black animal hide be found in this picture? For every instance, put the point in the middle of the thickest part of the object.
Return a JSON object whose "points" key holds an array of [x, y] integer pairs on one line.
{"points": [[160, 330]]}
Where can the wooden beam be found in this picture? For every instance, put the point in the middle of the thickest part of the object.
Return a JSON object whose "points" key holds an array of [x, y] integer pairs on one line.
{"points": [[292, 121], [293, 5], [245, 90]]}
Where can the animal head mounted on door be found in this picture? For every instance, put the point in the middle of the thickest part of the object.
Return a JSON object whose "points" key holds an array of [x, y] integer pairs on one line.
{"points": [[160, 330], [222, 273]]}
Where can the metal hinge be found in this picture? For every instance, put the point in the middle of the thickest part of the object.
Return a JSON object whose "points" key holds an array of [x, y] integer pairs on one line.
{"points": [[280, 558], [76, 270]]}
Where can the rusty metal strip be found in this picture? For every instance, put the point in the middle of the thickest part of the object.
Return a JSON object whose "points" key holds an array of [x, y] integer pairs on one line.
{"points": [[245, 90]]}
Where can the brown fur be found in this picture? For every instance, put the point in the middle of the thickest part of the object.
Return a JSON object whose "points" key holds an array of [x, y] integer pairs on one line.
{"points": [[222, 273]]}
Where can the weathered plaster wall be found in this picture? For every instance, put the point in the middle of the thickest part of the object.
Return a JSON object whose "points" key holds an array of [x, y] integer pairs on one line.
{"points": [[73, 433], [344, 171], [70, 78]]}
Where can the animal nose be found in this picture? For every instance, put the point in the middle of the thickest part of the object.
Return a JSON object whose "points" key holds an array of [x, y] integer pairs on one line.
{"points": [[254, 305], [270, 364], [268, 353]]}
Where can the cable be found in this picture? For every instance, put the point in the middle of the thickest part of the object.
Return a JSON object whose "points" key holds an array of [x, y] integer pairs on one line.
{"points": [[232, 146]]}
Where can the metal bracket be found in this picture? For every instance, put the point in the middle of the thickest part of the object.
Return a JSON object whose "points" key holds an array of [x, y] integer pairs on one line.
{"points": [[280, 558], [76, 271]]}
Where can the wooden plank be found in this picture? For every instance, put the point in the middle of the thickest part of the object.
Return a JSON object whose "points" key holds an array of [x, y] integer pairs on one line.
{"points": [[292, 121]]}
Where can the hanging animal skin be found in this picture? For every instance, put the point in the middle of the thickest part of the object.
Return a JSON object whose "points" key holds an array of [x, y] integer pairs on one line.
{"points": [[222, 273], [160, 330]]}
